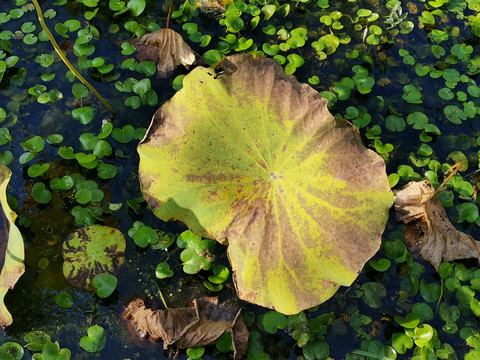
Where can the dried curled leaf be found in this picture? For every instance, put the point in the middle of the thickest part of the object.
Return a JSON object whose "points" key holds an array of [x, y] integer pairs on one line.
{"points": [[166, 48], [427, 228], [198, 325], [11, 248], [212, 6]]}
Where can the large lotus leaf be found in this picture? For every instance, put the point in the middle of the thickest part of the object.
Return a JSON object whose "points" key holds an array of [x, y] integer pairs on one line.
{"points": [[90, 251], [11, 248], [248, 156]]}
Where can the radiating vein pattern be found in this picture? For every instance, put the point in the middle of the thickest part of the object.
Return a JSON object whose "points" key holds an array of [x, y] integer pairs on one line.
{"points": [[254, 159]]}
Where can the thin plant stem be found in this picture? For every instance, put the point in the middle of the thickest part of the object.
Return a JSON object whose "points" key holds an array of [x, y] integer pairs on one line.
{"points": [[65, 60], [454, 169], [161, 296], [170, 8]]}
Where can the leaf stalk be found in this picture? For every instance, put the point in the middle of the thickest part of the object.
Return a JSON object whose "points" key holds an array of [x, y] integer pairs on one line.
{"points": [[65, 60]]}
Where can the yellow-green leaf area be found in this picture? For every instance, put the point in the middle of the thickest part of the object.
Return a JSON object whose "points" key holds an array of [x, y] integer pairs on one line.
{"points": [[12, 253], [90, 251], [250, 157]]}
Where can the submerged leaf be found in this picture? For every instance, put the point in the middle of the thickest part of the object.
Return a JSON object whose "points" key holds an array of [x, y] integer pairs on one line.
{"points": [[166, 48], [198, 325], [253, 159], [427, 228], [11, 248]]}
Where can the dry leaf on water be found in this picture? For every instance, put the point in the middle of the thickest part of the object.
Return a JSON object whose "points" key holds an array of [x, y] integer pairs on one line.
{"points": [[198, 325], [165, 48], [427, 228], [215, 6]]}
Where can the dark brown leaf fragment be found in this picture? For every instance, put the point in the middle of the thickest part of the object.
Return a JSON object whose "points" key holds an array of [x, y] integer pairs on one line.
{"points": [[198, 325], [427, 228]]}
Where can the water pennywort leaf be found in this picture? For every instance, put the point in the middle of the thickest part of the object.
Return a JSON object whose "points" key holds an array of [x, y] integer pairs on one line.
{"points": [[95, 340]]}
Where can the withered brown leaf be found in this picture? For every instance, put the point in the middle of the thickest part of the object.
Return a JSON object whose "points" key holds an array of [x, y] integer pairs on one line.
{"points": [[198, 325], [427, 228], [165, 48]]}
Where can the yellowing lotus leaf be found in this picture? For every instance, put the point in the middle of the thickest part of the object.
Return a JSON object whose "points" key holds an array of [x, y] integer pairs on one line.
{"points": [[11, 248], [250, 157]]}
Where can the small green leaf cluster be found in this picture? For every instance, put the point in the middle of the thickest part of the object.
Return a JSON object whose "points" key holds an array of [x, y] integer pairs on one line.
{"points": [[143, 235], [37, 342], [197, 253], [215, 281], [144, 94]]}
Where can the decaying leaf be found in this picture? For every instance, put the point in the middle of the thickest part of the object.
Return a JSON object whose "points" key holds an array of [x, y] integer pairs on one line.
{"points": [[198, 325], [11, 248], [215, 6], [250, 157], [166, 48], [90, 251], [427, 228]]}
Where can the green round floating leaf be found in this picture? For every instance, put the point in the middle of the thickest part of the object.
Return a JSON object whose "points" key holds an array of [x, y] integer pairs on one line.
{"points": [[177, 83], [423, 334], [197, 253], [224, 343], [221, 274], [37, 170], [124, 135], [195, 353], [143, 235], [90, 251], [423, 310], [79, 90], [66, 152], [13, 349], [105, 284], [61, 184], [163, 270], [95, 340], [264, 177], [454, 114], [64, 300], [401, 342], [212, 287], [418, 120], [40, 194], [106, 171], [55, 139], [83, 114], [380, 265], [272, 321], [410, 321], [213, 56], [430, 292], [53, 351], [36, 340], [34, 144]]}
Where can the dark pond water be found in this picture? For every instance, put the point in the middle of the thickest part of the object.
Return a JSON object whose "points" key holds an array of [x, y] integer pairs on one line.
{"points": [[363, 313]]}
